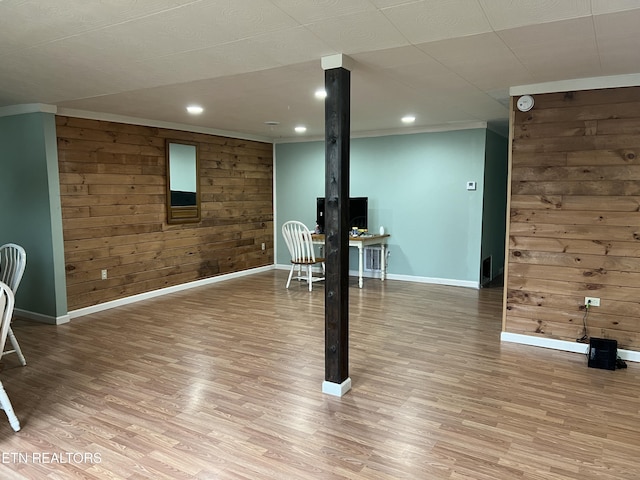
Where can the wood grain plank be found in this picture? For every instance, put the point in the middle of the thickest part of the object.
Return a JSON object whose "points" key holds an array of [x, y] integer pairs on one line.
{"points": [[577, 173], [574, 246], [583, 288], [561, 259], [591, 188], [583, 217], [602, 233], [619, 156], [577, 275]]}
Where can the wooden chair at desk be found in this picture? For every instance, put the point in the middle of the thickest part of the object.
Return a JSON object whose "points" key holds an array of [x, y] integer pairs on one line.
{"points": [[298, 239]]}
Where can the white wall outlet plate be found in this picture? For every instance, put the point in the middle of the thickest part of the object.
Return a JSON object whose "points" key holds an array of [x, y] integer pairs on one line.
{"points": [[471, 185], [592, 301]]}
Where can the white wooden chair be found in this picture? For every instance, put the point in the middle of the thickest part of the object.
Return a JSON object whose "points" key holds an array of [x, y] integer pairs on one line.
{"points": [[298, 239], [6, 312], [13, 260]]}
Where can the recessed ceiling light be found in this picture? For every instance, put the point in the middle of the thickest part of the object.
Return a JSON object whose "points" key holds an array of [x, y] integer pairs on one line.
{"points": [[408, 119], [195, 109], [321, 94], [300, 129]]}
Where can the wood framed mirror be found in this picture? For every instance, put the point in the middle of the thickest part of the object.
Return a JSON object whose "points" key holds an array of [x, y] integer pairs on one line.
{"points": [[183, 182]]}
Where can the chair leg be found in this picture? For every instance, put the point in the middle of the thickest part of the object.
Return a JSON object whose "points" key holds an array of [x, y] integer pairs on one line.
{"points": [[290, 274], [8, 409], [16, 347], [309, 277]]}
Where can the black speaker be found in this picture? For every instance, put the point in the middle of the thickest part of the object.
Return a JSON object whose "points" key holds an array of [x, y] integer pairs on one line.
{"points": [[603, 353]]}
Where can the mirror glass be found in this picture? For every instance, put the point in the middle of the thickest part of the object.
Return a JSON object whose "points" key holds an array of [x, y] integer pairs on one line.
{"points": [[183, 193]]}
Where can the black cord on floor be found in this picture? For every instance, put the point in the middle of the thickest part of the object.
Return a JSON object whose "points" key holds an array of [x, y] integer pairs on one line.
{"points": [[585, 336]]}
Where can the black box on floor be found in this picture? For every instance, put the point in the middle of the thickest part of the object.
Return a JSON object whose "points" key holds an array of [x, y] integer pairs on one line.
{"points": [[603, 353]]}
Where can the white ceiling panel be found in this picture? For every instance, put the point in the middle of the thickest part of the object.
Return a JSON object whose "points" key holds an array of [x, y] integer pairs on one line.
{"points": [[32, 22], [237, 103], [504, 14], [245, 18], [480, 105], [547, 50], [356, 33], [200, 25], [305, 11], [428, 74], [160, 35], [21, 92], [619, 41], [56, 74], [222, 60], [432, 20], [428, 109], [251, 61], [390, 58], [294, 45], [598, 7], [390, 3], [480, 59]]}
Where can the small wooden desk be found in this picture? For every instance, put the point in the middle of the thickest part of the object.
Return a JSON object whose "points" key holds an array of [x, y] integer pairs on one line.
{"points": [[361, 242]]}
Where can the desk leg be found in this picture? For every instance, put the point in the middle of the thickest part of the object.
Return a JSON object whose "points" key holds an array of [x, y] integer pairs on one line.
{"points": [[383, 266], [360, 264]]}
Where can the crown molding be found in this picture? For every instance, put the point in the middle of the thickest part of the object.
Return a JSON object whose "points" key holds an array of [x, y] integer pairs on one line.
{"points": [[446, 127], [592, 83], [27, 108], [109, 117]]}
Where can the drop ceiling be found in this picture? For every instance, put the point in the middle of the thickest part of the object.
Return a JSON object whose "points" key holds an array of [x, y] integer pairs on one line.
{"points": [[250, 63]]}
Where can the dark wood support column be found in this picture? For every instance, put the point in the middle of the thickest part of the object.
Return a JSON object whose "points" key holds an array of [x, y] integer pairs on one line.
{"points": [[337, 128]]}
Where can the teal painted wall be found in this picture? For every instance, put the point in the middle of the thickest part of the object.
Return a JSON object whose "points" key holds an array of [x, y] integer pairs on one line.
{"points": [[416, 186], [494, 220], [31, 213]]}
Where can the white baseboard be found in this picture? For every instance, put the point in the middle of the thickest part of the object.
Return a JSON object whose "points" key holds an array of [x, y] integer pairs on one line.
{"points": [[435, 280], [407, 278], [39, 317], [164, 291], [564, 345]]}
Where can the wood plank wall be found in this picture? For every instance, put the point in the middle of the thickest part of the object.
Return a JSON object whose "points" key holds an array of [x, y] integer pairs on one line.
{"points": [[575, 217], [112, 178]]}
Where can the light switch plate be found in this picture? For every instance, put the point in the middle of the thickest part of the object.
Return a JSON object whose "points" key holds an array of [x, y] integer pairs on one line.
{"points": [[471, 185]]}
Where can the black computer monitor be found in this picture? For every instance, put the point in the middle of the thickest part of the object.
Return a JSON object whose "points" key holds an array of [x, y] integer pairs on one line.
{"points": [[358, 213]]}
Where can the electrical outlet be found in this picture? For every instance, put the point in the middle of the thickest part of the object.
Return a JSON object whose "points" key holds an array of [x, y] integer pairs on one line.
{"points": [[104, 274], [264, 246], [592, 301]]}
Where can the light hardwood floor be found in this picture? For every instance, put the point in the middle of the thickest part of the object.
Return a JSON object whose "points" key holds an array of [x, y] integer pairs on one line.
{"points": [[224, 382]]}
